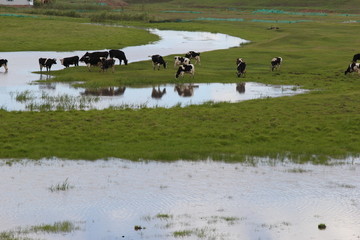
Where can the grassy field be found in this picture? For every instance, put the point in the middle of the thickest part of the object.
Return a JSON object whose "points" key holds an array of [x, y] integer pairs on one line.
{"points": [[314, 126]]}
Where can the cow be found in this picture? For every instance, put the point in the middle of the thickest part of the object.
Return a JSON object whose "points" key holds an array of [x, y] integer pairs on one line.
{"points": [[157, 93], [276, 63], [107, 63], [241, 67], [119, 55], [94, 61], [158, 60], [356, 57], [189, 69], [3, 63], [353, 67], [193, 55], [95, 55], [181, 60], [46, 63], [240, 87], [70, 61]]}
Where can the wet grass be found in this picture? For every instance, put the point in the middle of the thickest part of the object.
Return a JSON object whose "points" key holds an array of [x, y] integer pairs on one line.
{"points": [[64, 186], [313, 127], [21, 233]]}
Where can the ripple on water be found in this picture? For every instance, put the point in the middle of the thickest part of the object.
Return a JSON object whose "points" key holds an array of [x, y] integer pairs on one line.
{"points": [[113, 196]]}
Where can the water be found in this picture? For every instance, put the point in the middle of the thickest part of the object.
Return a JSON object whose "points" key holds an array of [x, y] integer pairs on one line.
{"points": [[221, 201], [20, 79]]}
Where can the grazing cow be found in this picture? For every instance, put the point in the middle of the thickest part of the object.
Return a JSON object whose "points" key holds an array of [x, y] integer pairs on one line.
{"points": [[189, 69], [70, 61], [193, 55], [158, 60], [157, 93], [356, 57], [46, 63], [276, 63], [94, 61], [241, 67], [95, 55], [181, 60], [3, 63], [107, 63], [119, 55], [240, 87], [353, 67]]}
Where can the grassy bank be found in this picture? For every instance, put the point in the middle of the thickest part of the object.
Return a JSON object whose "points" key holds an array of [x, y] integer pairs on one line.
{"points": [[314, 126]]}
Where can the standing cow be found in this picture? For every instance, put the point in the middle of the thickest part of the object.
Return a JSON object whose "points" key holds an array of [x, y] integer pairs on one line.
{"points": [[119, 55], [107, 63], [276, 63], [3, 63], [46, 63], [94, 61], [158, 60], [180, 60], [193, 55], [189, 69], [70, 61], [241, 67], [95, 55]]}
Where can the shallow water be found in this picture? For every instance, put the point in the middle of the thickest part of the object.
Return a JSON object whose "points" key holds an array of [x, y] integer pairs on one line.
{"points": [[213, 199], [20, 79]]}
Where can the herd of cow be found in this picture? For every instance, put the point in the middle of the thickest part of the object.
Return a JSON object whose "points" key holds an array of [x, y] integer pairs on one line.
{"points": [[105, 60]]}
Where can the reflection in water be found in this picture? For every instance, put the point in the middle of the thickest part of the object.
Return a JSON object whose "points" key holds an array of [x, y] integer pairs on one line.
{"points": [[109, 91], [240, 87], [269, 200], [157, 93], [185, 90]]}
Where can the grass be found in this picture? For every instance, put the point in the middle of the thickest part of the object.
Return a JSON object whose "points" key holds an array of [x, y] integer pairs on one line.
{"points": [[314, 127], [57, 227], [64, 186]]}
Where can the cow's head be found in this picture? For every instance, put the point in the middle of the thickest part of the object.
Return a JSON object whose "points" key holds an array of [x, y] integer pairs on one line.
{"points": [[180, 70]]}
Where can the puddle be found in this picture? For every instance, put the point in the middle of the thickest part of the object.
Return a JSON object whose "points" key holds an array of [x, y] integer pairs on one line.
{"points": [[215, 200], [168, 95]]}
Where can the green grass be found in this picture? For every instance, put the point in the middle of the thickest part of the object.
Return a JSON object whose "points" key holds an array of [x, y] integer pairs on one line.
{"points": [[310, 127]]}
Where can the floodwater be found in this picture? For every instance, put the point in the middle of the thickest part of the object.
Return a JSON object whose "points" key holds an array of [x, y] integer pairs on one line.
{"points": [[206, 199], [19, 80]]}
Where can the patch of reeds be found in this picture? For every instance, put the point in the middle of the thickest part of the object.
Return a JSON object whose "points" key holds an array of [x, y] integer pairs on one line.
{"points": [[64, 186], [120, 16]]}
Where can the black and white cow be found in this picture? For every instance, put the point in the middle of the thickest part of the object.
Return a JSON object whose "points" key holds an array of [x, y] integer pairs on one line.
{"points": [[276, 63], [95, 55], [3, 63], [241, 69], [108, 63], [158, 60], [189, 69], [46, 63], [181, 60], [353, 67], [193, 55], [70, 61], [91, 61], [119, 55], [356, 57]]}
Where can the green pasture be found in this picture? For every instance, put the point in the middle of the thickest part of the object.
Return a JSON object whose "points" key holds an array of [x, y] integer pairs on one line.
{"points": [[315, 126]]}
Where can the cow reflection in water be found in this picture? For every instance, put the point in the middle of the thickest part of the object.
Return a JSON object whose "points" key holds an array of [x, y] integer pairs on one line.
{"points": [[110, 91], [185, 90], [157, 93], [240, 87]]}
